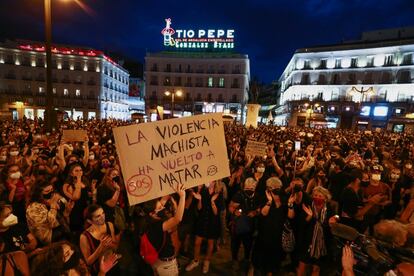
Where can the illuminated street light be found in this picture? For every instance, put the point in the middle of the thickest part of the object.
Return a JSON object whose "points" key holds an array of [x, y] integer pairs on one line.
{"points": [[177, 93]]}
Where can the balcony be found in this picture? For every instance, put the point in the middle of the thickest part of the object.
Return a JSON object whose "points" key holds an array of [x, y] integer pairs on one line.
{"points": [[91, 82], [65, 80], [235, 85], [40, 79], [237, 71], [27, 78], [200, 71], [77, 82], [167, 83], [198, 85], [221, 71], [188, 84]]}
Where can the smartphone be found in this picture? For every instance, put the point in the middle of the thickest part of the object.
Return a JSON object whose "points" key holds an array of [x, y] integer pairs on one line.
{"points": [[297, 145]]}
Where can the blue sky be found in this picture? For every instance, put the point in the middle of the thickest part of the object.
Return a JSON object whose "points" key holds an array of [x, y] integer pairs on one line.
{"points": [[269, 31]]}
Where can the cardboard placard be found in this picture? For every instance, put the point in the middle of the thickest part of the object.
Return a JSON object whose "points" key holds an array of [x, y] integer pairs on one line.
{"points": [[252, 115], [156, 157], [74, 135], [254, 148]]}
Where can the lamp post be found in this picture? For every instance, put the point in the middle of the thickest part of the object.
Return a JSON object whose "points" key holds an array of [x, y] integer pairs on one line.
{"points": [[49, 91], [177, 93]]}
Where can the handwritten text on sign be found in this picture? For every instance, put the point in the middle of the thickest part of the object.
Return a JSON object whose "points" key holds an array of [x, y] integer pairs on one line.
{"points": [[155, 157], [254, 148]]}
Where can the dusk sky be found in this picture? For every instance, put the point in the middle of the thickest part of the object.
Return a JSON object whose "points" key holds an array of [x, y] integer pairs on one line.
{"points": [[269, 31]]}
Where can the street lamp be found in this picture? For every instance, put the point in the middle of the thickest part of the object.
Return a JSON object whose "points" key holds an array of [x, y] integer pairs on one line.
{"points": [[177, 93]]}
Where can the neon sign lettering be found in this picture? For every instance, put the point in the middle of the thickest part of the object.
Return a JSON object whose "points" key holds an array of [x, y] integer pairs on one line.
{"points": [[197, 39]]}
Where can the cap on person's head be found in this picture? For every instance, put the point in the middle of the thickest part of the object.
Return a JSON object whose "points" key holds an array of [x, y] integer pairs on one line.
{"points": [[288, 142], [273, 183], [250, 184]]}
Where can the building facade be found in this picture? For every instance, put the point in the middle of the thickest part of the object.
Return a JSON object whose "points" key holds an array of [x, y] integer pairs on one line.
{"points": [[208, 81], [365, 84], [86, 83]]}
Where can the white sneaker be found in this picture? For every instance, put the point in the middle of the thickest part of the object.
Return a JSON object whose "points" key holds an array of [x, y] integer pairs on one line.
{"points": [[192, 265], [206, 266]]}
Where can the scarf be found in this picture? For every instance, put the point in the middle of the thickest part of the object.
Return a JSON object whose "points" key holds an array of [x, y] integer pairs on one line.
{"points": [[317, 248]]}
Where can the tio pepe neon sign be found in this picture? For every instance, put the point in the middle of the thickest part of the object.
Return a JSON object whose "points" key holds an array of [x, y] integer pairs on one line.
{"points": [[199, 39]]}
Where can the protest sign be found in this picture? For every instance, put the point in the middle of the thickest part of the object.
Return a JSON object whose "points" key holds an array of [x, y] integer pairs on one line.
{"points": [[254, 148], [74, 135], [252, 114], [156, 157]]}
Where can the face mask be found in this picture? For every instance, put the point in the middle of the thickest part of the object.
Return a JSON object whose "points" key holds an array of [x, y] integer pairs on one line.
{"points": [[91, 157], [376, 177], [207, 185], [364, 184], [116, 179], [109, 141], [289, 148], [260, 170], [105, 165], [47, 196], [162, 214], [15, 175], [10, 221], [36, 151], [70, 147], [395, 176], [14, 153], [3, 158], [11, 143], [297, 188], [96, 143], [249, 193], [72, 262], [276, 191], [409, 166], [318, 201]]}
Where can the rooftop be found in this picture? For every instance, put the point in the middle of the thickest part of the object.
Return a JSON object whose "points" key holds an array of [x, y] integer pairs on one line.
{"points": [[177, 54]]}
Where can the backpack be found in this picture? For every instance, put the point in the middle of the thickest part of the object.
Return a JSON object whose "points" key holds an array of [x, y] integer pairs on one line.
{"points": [[288, 238], [147, 250]]}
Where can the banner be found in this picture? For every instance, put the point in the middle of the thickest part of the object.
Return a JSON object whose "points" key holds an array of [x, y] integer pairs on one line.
{"points": [[252, 113], [74, 135], [254, 148], [157, 156]]}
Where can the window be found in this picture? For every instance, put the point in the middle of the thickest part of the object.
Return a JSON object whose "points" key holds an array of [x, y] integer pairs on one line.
{"points": [[354, 62], [168, 69], [338, 63], [210, 82], [65, 91], [41, 89], [77, 93], [389, 60], [235, 83], [54, 90], [322, 65], [209, 97], [221, 82]]}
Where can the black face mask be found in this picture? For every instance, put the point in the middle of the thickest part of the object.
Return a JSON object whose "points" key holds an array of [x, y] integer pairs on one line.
{"points": [[249, 193], [276, 191], [162, 214], [72, 262], [116, 179], [364, 183], [48, 196], [297, 188]]}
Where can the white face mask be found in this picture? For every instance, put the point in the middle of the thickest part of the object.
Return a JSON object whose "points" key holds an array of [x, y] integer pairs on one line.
{"points": [[376, 177], [207, 185], [15, 175], [10, 221], [14, 153], [11, 143], [409, 166], [91, 157], [96, 143], [109, 141]]}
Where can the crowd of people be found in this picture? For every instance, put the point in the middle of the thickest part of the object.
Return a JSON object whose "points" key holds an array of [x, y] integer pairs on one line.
{"points": [[64, 207]]}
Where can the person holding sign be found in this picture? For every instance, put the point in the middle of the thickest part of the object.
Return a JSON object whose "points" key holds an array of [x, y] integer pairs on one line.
{"points": [[157, 228]]}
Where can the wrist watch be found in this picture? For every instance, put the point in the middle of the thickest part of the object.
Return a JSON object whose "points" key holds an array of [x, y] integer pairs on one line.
{"points": [[290, 205]]}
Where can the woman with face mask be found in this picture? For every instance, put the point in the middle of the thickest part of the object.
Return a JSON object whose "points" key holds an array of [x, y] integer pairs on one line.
{"points": [[243, 209], [319, 179], [157, 227], [18, 190], [13, 232], [98, 239], [44, 212], [317, 236], [268, 252], [109, 194], [76, 189], [210, 203]]}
